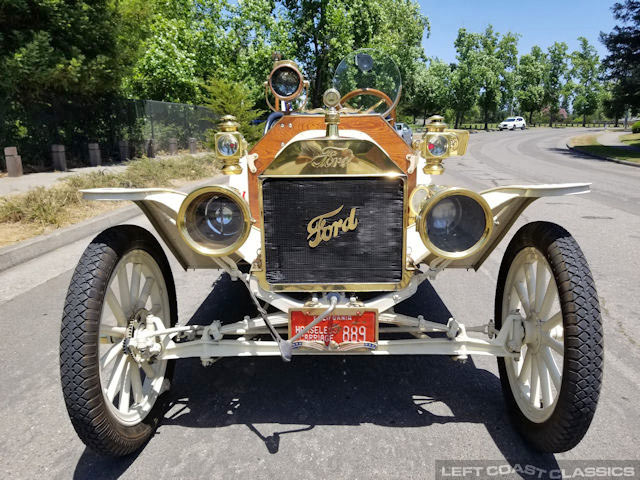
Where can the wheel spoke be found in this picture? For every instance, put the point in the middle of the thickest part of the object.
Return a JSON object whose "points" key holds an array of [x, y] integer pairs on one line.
{"points": [[530, 276], [549, 297], [111, 331], [136, 384], [125, 389], [123, 286], [135, 284], [111, 355], [545, 382], [554, 373], [541, 281], [521, 290], [148, 370], [534, 383], [115, 308], [115, 382], [553, 322], [553, 343], [146, 291], [526, 367]]}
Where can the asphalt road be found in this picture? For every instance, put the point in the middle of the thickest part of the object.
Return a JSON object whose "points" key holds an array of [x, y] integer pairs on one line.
{"points": [[344, 417]]}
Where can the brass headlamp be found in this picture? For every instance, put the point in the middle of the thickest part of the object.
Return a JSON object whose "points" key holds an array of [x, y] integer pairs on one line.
{"points": [[440, 142], [285, 83], [230, 145]]}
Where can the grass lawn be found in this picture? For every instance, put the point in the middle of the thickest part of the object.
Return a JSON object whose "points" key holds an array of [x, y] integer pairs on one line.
{"points": [[589, 144], [632, 139], [43, 210]]}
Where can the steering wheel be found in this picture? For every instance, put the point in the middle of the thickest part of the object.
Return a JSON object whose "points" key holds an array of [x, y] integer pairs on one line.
{"points": [[370, 91]]}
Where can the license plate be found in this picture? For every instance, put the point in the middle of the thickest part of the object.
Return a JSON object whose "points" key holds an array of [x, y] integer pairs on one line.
{"points": [[345, 329]]}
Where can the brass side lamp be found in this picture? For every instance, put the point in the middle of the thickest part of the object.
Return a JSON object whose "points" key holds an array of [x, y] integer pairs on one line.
{"points": [[440, 142], [230, 145]]}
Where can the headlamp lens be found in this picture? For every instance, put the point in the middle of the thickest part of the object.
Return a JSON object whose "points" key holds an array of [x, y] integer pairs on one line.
{"points": [[456, 223], [285, 82], [215, 223]]}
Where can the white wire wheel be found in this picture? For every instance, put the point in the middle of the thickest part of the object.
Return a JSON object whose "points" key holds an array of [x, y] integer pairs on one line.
{"points": [[131, 389], [122, 284], [535, 377], [551, 391]]}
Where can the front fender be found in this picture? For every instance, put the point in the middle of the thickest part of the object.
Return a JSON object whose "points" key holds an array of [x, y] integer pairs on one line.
{"points": [[161, 207], [507, 204]]}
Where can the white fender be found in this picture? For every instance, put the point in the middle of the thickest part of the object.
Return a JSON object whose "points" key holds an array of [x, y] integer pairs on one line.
{"points": [[506, 203]]}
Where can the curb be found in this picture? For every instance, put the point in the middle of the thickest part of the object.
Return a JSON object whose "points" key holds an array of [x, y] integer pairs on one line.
{"points": [[26, 250], [34, 247], [608, 159]]}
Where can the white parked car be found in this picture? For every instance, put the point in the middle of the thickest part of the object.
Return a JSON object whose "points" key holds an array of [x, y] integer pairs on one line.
{"points": [[512, 123], [405, 132]]}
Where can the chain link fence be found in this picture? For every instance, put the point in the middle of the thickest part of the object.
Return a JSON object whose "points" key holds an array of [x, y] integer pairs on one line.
{"points": [[117, 128]]}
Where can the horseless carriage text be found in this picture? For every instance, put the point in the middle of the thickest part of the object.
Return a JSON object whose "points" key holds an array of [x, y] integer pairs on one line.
{"points": [[327, 224]]}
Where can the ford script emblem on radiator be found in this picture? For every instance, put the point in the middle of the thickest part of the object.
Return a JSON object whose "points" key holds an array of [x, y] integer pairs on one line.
{"points": [[332, 157], [320, 231]]}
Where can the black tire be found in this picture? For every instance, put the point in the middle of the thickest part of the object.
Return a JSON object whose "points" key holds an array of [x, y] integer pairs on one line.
{"points": [[79, 371], [583, 339]]}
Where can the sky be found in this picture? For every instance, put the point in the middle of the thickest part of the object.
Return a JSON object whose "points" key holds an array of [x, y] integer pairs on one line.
{"points": [[540, 22]]}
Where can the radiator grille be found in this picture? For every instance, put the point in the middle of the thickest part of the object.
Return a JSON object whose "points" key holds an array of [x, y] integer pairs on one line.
{"points": [[370, 253]]}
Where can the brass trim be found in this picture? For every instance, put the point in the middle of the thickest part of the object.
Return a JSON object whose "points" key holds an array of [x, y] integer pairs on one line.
{"points": [[260, 270], [304, 157], [193, 244], [440, 194]]}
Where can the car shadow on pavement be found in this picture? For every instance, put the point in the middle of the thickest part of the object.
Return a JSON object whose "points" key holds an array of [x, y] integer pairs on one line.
{"points": [[398, 392]]}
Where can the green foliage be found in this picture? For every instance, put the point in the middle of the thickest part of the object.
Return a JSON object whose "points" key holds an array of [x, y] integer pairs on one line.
{"points": [[635, 128], [623, 43], [529, 89], [465, 82], [612, 101], [432, 90], [62, 64], [226, 97], [585, 68], [556, 71], [324, 31]]}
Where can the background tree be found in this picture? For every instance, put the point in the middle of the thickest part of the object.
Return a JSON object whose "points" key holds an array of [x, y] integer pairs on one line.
{"points": [[556, 70], [234, 98], [585, 68], [432, 90], [612, 101], [182, 50], [489, 73], [59, 61], [529, 84], [324, 31], [508, 54], [622, 64], [465, 79]]}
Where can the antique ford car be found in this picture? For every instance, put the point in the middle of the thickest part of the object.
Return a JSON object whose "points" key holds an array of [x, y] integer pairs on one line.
{"points": [[329, 222]]}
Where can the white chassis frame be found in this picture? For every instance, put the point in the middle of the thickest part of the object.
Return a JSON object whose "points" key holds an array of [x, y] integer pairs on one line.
{"points": [[161, 206], [208, 342]]}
